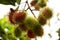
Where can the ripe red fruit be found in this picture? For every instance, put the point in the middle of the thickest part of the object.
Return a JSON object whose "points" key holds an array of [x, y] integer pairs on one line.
{"points": [[19, 17], [31, 34], [41, 20], [12, 11], [47, 13]]}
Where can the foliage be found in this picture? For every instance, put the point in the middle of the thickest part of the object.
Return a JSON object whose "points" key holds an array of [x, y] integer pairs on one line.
{"points": [[10, 2]]}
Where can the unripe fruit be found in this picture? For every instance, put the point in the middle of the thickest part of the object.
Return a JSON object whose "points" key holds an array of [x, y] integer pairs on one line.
{"points": [[41, 20], [31, 34], [19, 17], [12, 11], [30, 22], [17, 32], [38, 30], [37, 7], [47, 13], [23, 27], [42, 3], [33, 2]]}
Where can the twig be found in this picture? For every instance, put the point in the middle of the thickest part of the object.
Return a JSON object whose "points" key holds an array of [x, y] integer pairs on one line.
{"points": [[30, 9]]}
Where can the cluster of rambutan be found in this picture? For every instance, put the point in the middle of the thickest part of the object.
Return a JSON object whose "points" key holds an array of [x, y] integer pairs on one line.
{"points": [[31, 25]]}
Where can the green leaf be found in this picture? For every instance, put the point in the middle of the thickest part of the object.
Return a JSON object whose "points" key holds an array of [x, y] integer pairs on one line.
{"points": [[4, 37], [4, 23], [50, 35], [58, 32], [2, 32], [8, 2], [18, 1], [11, 36]]}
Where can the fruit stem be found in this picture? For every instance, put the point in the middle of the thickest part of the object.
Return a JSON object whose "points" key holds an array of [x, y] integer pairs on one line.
{"points": [[30, 9], [17, 8]]}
